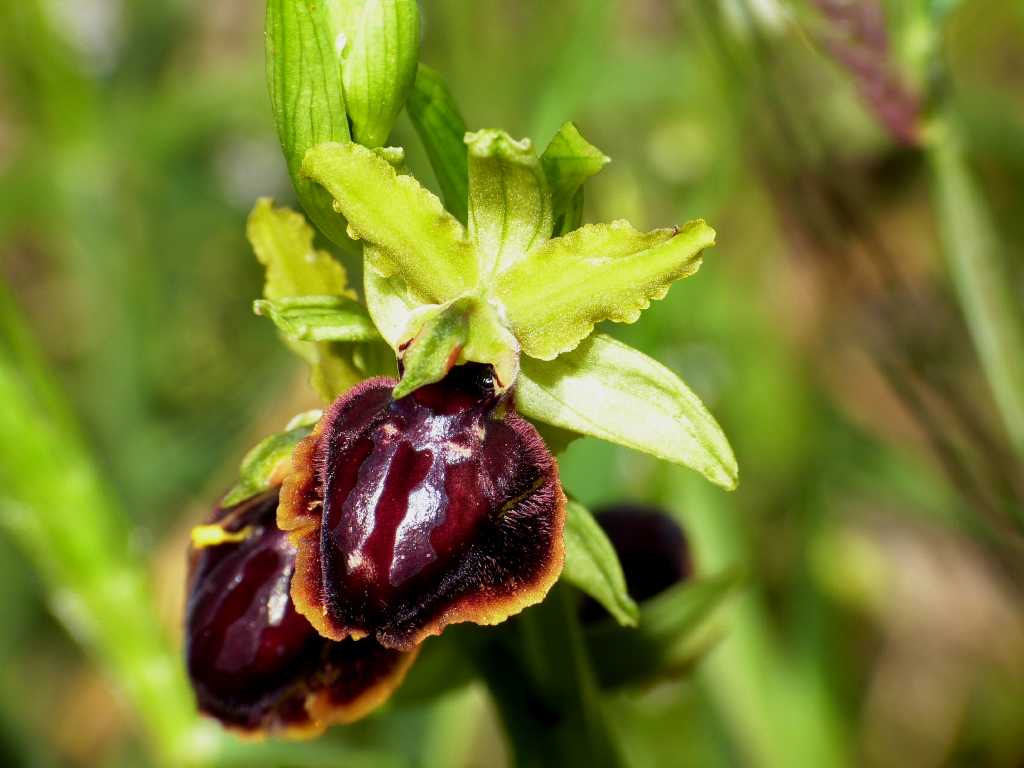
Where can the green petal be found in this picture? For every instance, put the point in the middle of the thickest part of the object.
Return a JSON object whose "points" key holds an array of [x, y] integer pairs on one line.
{"points": [[609, 390], [412, 233], [592, 565], [379, 66], [555, 296], [568, 161], [319, 318], [440, 126], [509, 201], [304, 78]]}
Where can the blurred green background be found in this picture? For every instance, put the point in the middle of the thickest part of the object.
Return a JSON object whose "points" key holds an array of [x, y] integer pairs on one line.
{"points": [[881, 504]]}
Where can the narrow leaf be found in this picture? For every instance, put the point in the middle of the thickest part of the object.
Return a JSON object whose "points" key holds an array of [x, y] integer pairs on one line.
{"points": [[379, 66], [440, 126], [609, 390], [509, 201], [568, 161], [304, 79], [592, 565], [412, 233], [319, 318], [555, 297], [265, 464], [673, 631]]}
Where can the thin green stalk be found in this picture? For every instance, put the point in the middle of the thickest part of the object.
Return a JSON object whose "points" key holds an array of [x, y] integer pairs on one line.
{"points": [[55, 505], [544, 687], [973, 253]]}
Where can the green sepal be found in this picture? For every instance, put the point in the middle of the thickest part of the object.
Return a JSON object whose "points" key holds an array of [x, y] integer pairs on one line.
{"points": [[609, 390], [379, 66], [411, 232], [264, 464], [568, 162], [676, 628], [305, 83], [319, 318], [509, 200], [592, 566], [462, 331], [555, 296], [441, 128], [283, 243]]}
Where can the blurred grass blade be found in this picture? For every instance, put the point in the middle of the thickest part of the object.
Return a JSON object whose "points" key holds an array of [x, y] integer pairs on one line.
{"points": [[56, 506], [440, 126], [592, 566], [975, 259]]}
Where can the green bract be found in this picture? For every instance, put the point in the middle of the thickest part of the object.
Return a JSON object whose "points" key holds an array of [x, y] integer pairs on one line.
{"points": [[521, 286]]}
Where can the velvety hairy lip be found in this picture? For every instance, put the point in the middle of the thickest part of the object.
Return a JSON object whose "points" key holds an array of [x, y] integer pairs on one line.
{"points": [[255, 663], [412, 514]]}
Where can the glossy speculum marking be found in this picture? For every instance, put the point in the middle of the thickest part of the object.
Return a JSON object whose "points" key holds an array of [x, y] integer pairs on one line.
{"points": [[412, 514], [255, 663]]}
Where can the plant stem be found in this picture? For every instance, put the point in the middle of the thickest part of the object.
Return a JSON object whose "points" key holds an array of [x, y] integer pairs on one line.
{"points": [[545, 690], [56, 507], [982, 283]]}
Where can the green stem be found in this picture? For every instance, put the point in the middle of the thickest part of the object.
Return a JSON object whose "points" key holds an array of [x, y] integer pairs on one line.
{"points": [[980, 275], [56, 507], [544, 686]]}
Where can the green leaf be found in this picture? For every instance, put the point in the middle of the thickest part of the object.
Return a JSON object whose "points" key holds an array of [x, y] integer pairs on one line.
{"points": [[379, 66], [592, 565], [263, 465], [609, 390], [440, 126], [568, 161], [555, 296], [319, 318], [412, 233], [283, 242], [509, 201], [672, 633], [304, 79], [465, 330]]}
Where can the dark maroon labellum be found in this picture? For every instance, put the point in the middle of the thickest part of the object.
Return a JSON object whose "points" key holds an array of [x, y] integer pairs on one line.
{"points": [[409, 515], [651, 547], [255, 663]]}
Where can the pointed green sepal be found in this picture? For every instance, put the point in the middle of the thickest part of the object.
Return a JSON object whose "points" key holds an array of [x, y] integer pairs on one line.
{"points": [[555, 296], [509, 201], [379, 66], [568, 162], [412, 234], [609, 390], [592, 566], [319, 318]]}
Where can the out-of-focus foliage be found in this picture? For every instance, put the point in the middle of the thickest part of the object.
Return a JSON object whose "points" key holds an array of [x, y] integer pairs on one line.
{"points": [[878, 519]]}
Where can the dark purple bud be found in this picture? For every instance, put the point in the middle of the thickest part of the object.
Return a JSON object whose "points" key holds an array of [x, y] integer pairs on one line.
{"points": [[409, 515], [255, 663], [652, 550]]}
